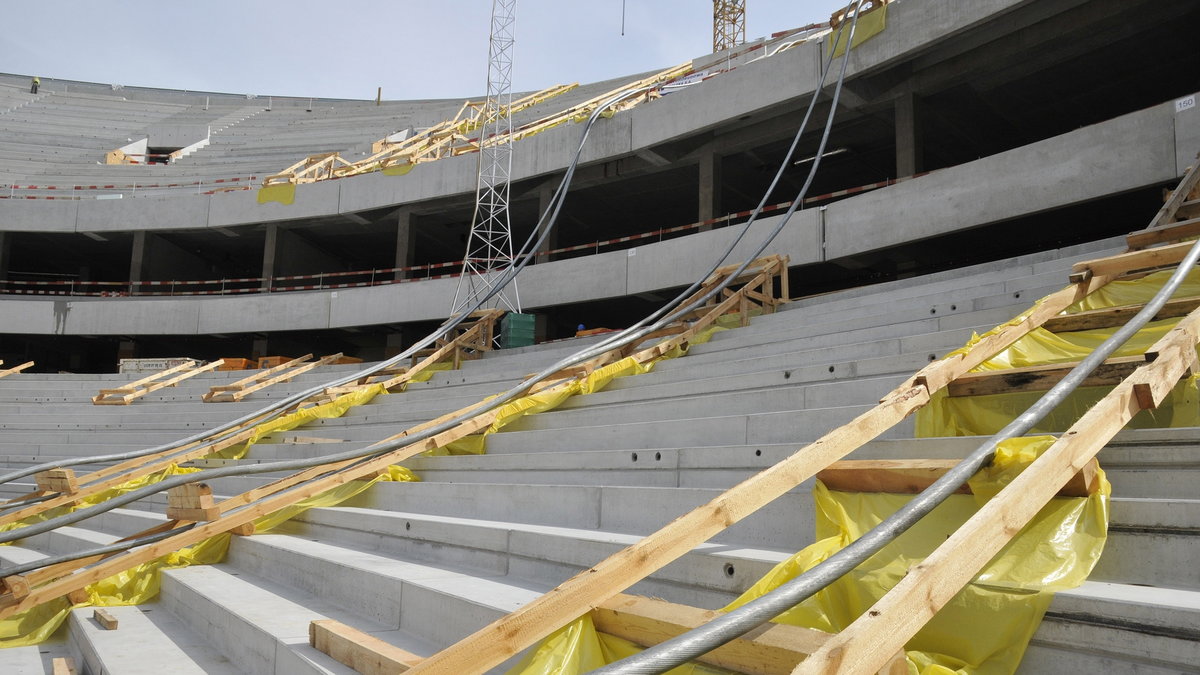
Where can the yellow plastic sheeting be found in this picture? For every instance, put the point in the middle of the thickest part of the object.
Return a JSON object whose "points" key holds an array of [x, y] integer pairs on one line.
{"points": [[398, 169], [869, 25], [103, 496], [141, 583], [579, 648], [331, 497], [284, 193], [549, 400], [987, 414], [335, 408], [987, 626]]}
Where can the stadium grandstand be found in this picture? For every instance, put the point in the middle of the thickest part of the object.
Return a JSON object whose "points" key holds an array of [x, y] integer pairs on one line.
{"points": [[240, 431]]}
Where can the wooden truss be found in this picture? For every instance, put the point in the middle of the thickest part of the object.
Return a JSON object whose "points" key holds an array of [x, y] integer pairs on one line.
{"points": [[236, 514], [139, 388], [283, 372], [867, 645], [452, 137]]}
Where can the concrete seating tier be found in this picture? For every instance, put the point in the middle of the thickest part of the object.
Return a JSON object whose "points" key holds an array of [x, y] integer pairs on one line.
{"points": [[421, 565]]}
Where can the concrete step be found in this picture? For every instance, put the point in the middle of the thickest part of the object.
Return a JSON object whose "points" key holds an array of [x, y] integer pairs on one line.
{"points": [[257, 624], [148, 640]]}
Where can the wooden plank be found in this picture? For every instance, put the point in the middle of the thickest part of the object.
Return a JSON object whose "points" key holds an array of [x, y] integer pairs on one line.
{"points": [[57, 480], [1040, 378], [63, 665], [496, 642], [773, 649], [940, 373], [910, 476], [1164, 234], [16, 369], [1121, 263], [1117, 316], [106, 620], [284, 372], [1189, 210], [361, 651], [868, 642], [260, 376], [1181, 194]]}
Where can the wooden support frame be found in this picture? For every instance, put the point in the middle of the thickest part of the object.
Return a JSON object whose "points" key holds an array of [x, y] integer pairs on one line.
{"points": [[1041, 378], [139, 388], [239, 511], [1163, 234], [15, 369], [283, 372], [910, 476], [928, 586], [1110, 317], [361, 651], [1185, 191]]}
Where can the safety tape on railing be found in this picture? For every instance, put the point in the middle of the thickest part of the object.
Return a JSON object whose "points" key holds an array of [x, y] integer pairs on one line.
{"points": [[276, 284]]}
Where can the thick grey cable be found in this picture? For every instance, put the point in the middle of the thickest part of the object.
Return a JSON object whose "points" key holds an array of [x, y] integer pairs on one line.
{"points": [[729, 626], [370, 451], [624, 337], [115, 547], [273, 409]]}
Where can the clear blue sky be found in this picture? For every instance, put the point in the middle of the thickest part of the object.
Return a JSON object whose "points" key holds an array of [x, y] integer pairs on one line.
{"points": [[346, 48]]}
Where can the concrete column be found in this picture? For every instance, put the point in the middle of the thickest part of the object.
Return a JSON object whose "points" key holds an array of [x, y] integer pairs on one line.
{"points": [[545, 195], [137, 257], [258, 348], [406, 242], [5, 253], [270, 249], [393, 344], [909, 151], [126, 349], [709, 205]]}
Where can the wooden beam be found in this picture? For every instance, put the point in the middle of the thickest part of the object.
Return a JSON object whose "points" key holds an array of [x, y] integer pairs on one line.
{"points": [[1189, 209], [867, 643], [361, 651], [772, 649], [1040, 378], [106, 620], [498, 641], [16, 369], [1150, 258], [1117, 316], [940, 373], [910, 476], [57, 480], [1162, 235], [1181, 194], [63, 665]]}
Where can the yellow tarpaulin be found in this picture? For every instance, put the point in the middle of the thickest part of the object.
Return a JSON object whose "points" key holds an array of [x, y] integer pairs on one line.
{"points": [[983, 630], [284, 193], [984, 415], [398, 169], [869, 25]]}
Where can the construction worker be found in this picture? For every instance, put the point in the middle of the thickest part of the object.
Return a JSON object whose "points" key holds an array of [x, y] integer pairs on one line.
{"points": [[34, 84]]}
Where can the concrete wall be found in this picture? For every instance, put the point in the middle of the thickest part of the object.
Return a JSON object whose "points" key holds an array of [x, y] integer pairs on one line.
{"points": [[1126, 153], [750, 89]]}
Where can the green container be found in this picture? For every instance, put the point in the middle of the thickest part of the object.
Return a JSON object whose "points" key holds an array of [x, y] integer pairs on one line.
{"points": [[516, 330]]}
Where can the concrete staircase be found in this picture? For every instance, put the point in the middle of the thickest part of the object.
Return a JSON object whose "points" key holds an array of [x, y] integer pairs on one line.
{"points": [[421, 565]]}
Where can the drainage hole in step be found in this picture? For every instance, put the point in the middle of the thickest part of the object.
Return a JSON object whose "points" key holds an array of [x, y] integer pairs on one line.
{"points": [[758, 453], [408, 526], [634, 456], [657, 456], [933, 357], [933, 310], [787, 374], [953, 307], [728, 569], [831, 369]]}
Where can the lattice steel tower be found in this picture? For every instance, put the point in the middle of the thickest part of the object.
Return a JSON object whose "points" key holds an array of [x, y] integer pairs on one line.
{"points": [[729, 24], [489, 244]]}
